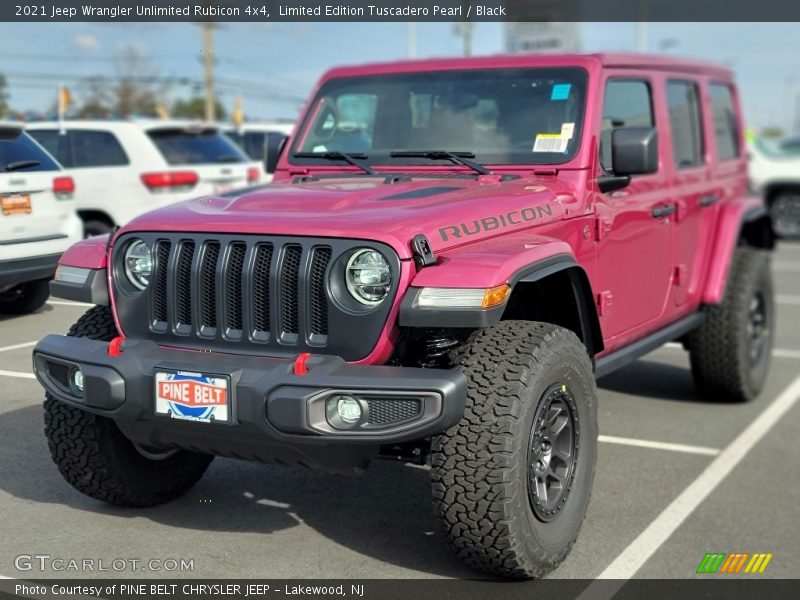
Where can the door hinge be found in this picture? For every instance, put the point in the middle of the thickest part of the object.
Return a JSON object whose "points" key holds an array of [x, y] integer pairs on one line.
{"points": [[601, 227], [604, 301]]}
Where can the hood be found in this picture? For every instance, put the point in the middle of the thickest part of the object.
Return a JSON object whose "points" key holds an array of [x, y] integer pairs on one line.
{"points": [[450, 211]]}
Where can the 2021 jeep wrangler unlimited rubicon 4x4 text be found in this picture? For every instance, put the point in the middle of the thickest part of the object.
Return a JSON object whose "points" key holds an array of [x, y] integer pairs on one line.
{"points": [[451, 254]]}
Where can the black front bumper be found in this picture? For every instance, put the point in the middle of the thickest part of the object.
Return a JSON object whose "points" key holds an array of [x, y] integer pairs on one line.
{"points": [[275, 415], [22, 270]]}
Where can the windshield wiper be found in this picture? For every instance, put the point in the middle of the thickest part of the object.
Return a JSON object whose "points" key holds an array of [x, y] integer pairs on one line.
{"points": [[21, 164], [354, 159], [460, 158]]}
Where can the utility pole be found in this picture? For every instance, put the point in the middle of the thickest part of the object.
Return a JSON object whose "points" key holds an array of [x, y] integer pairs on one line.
{"points": [[208, 67], [411, 39], [464, 30]]}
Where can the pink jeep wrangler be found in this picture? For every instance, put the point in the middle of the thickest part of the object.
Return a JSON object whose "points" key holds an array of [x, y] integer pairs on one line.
{"points": [[452, 252]]}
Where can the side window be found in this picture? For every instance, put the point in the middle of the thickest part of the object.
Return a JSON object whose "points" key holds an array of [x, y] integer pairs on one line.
{"points": [[96, 149], [686, 125], [55, 143], [726, 133], [628, 103]]}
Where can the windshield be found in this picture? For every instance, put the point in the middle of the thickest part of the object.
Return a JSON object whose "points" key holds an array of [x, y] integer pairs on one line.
{"points": [[502, 116], [188, 147], [18, 152]]}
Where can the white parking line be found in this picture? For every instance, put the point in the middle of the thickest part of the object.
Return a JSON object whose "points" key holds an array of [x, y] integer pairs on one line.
{"points": [[789, 300], [17, 374], [17, 346], [623, 441], [68, 303], [639, 551]]}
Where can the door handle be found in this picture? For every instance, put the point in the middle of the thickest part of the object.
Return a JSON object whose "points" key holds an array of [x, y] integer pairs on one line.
{"points": [[708, 200], [665, 210]]}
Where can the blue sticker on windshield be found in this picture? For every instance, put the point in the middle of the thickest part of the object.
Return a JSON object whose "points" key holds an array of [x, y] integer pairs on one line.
{"points": [[560, 91]]}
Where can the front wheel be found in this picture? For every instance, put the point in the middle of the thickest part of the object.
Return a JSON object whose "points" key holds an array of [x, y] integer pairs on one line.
{"points": [[512, 480], [785, 212], [95, 457]]}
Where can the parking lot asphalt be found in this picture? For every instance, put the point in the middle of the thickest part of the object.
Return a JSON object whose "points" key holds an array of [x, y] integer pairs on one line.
{"points": [[676, 477]]}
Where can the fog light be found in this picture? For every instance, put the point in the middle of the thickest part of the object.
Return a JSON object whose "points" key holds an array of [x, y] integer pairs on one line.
{"points": [[343, 412], [76, 380]]}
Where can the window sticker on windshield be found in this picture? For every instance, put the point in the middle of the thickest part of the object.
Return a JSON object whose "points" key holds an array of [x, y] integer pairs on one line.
{"points": [[319, 148], [567, 130], [550, 142], [560, 91]]}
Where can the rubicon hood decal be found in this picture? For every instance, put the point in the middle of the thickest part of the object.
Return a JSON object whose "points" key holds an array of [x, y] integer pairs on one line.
{"points": [[501, 221]]}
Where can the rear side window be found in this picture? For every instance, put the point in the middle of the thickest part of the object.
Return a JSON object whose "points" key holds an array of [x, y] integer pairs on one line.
{"points": [[252, 142], [726, 132], [683, 101], [628, 103], [182, 147], [55, 143], [19, 153], [96, 149]]}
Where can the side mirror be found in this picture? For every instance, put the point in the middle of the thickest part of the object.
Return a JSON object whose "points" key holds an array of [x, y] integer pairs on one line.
{"points": [[272, 150], [634, 150]]}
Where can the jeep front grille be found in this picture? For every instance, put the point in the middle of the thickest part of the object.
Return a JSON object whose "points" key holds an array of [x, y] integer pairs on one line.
{"points": [[250, 294]]}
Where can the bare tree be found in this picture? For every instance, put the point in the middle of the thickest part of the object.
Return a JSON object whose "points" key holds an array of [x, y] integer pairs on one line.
{"points": [[138, 89]]}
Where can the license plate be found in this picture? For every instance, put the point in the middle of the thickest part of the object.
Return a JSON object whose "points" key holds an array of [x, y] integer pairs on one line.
{"points": [[16, 205], [193, 396], [223, 188]]}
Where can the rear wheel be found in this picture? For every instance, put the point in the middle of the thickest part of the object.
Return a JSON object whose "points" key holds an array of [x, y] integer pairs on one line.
{"points": [[731, 352], [95, 457], [512, 480], [25, 298]]}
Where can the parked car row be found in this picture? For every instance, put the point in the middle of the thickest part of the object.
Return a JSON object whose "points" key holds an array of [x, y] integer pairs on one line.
{"points": [[60, 182], [774, 168]]}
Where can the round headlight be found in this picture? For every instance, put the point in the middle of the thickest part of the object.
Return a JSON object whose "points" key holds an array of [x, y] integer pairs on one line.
{"points": [[138, 264], [368, 276]]}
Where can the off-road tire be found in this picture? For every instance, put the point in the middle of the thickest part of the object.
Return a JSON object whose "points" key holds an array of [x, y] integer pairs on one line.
{"points": [[722, 367], [25, 298], [98, 460], [480, 466]]}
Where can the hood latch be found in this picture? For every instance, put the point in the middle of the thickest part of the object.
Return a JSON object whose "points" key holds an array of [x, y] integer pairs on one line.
{"points": [[423, 253]]}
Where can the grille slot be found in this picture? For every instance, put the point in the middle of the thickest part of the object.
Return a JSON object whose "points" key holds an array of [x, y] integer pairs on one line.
{"points": [[183, 284], [230, 290], [233, 289], [160, 283], [289, 292], [386, 411], [261, 271], [208, 288], [317, 295], [59, 372]]}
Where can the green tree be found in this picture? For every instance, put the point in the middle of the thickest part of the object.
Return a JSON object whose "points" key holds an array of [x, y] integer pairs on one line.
{"points": [[195, 108]]}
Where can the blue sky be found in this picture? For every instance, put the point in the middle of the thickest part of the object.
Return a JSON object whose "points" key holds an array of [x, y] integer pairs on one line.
{"points": [[286, 59]]}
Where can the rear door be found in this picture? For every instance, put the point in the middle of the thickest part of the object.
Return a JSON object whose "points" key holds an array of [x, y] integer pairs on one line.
{"points": [[695, 191], [633, 223], [29, 209], [218, 163]]}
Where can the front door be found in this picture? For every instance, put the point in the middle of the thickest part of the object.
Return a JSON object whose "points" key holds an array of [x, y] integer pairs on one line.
{"points": [[634, 253]]}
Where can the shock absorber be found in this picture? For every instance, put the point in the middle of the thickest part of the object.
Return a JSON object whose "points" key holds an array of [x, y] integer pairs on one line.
{"points": [[434, 348]]}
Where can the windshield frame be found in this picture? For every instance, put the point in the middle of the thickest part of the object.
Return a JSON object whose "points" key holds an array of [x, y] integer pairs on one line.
{"points": [[383, 158]]}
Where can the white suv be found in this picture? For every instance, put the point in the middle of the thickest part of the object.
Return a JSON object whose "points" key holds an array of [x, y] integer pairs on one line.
{"points": [[37, 220], [774, 169], [126, 168]]}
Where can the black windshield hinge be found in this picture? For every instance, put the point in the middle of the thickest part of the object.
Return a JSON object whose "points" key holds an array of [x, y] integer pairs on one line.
{"points": [[423, 253]]}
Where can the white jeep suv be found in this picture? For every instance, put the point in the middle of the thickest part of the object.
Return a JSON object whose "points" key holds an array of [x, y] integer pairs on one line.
{"points": [[126, 168], [37, 220]]}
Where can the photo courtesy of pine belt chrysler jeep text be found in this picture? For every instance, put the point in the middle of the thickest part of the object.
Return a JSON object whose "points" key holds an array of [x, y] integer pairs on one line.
{"points": [[450, 254]]}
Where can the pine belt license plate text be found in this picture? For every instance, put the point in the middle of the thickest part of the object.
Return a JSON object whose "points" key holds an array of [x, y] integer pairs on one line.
{"points": [[193, 396], [19, 204], [223, 188]]}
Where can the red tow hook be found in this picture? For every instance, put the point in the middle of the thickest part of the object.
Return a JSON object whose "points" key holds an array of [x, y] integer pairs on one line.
{"points": [[301, 363], [115, 346]]}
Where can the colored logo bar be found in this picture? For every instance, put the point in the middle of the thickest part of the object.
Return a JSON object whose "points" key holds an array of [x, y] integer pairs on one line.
{"points": [[734, 563]]}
